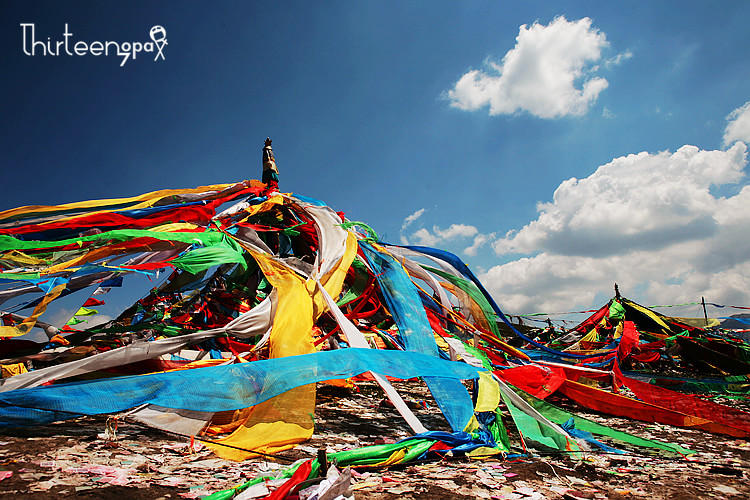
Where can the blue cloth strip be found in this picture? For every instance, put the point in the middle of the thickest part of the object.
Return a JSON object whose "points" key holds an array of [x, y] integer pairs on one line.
{"points": [[405, 305], [219, 388], [453, 260]]}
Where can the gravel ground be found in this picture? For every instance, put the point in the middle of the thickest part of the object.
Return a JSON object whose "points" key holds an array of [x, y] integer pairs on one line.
{"points": [[73, 459]]}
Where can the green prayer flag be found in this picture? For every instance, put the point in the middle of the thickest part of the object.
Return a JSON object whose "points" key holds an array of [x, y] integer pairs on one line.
{"points": [[85, 311]]}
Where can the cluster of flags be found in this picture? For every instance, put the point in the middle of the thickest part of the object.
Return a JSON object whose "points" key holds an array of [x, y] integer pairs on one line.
{"points": [[87, 308]]}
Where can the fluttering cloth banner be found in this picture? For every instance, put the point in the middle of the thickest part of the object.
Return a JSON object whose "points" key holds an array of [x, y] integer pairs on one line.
{"points": [[218, 388]]}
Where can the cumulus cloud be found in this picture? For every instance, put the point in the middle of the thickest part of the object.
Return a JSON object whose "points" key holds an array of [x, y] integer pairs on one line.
{"points": [[454, 233], [646, 221], [642, 200], [549, 73], [738, 125], [423, 237], [479, 241]]}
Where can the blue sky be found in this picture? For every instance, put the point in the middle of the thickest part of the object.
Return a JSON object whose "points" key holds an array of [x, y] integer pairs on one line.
{"points": [[556, 147]]}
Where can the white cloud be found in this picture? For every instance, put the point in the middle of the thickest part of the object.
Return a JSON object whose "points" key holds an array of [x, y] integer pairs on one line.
{"points": [[453, 232], [479, 241], [646, 221], [637, 201], [738, 126], [548, 73], [424, 237], [618, 59], [547, 283], [411, 218]]}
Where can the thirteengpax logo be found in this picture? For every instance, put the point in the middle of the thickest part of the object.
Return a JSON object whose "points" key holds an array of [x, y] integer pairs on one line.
{"points": [[126, 50]]}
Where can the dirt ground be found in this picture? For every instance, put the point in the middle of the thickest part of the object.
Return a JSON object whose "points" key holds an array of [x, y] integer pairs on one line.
{"points": [[74, 459]]}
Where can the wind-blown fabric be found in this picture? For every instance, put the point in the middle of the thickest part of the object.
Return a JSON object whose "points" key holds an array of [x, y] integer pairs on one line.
{"points": [[686, 404], [405, 305], [452, 264], [219, 388], [616, 404], [255, 322], [256, 284], [561, 416], [287, 419], [357, 339], [35, 212], [538, 380], [27, 324], [535, 426], [480, 307]]}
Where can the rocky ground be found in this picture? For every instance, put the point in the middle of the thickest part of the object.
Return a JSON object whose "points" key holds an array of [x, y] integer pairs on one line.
{"points": [[75, 459]]}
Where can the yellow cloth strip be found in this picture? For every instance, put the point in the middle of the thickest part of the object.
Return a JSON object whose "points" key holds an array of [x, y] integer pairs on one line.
{"points": [[618, 330], [141, 201], [651, 315], [174, 227], [18, 257], [109, 251], [483, 452], [267, 205], [395, 458], [13, 369], [26, 325], [441, 343], [592, 336], [286, 420], [488, 397]]}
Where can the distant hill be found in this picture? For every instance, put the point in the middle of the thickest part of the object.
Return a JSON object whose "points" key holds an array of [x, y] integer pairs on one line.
{"points": [[733, 324]]}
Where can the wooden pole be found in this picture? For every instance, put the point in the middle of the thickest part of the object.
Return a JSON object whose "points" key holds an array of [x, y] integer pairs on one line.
{"points": [[323, 462], [705, 315]]}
